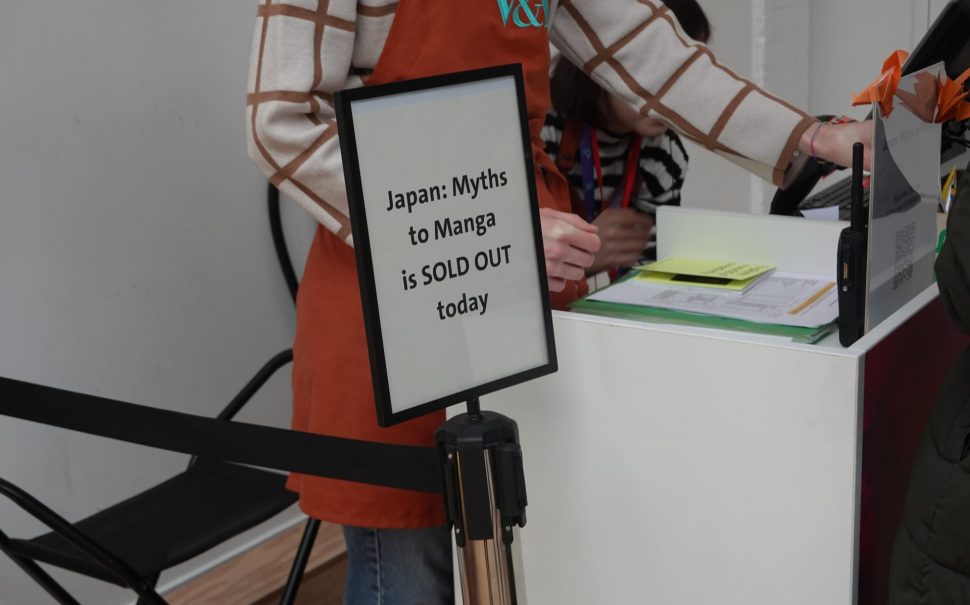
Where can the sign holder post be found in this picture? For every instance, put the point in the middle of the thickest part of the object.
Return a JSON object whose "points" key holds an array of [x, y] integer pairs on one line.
{"points": [[445, 219], [485, 493]]}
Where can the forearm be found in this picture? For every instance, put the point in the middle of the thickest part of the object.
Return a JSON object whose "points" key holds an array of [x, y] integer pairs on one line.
{"points": [[638, 51]]}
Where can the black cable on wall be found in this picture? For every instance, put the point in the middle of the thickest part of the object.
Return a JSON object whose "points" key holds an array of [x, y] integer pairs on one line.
{"points": [[279, 241]]}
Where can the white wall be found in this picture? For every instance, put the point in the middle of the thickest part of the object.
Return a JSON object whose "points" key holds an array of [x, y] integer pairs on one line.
{"points": [[850, 41], [713, 182], [135, 257], [767, 42]]}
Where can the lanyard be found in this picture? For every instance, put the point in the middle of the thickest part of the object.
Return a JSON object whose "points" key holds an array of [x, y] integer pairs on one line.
{"points": [[592, 170], [589, 181]]}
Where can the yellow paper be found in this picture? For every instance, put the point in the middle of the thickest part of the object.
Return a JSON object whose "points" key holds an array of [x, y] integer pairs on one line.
{"points": [[704, 273], [707, 268], [675, 279]]}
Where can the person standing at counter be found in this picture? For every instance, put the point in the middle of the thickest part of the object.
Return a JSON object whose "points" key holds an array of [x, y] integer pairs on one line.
{"points": [[931, 555], [621, 165], [304, 50]]}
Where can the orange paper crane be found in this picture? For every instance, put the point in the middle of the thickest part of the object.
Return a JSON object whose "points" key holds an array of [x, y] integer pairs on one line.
{"points": [[952, 100], [884, 88]]}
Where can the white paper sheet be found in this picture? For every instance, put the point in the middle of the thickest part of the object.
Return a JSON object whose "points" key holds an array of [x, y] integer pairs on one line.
{"points": [[830, 213], [789, 299]]}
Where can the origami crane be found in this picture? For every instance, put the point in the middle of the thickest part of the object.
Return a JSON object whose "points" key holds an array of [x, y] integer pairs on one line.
{"points": [[951, 98], [883, 89], [953, 103]]}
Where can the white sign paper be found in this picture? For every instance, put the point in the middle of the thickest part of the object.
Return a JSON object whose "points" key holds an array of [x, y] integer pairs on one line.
{"points": [[445, 189]]}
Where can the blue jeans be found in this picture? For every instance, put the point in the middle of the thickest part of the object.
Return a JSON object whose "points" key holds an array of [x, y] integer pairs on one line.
{"points": [[399, 566]]}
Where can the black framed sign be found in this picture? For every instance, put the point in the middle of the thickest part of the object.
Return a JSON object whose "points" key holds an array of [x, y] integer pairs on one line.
{"points": [[445, 218]]}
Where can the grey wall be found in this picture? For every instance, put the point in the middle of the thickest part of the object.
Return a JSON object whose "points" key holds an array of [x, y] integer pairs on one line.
{"points": [[135, 257], [850, 40], [733, 24]]}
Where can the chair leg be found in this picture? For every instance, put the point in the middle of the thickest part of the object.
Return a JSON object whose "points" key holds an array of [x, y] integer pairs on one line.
{"points": [[299, 563], [147, 594], [40, 576]]}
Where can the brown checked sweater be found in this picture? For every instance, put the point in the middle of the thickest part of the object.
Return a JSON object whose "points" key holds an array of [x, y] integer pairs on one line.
{"points": [[304, 50]]}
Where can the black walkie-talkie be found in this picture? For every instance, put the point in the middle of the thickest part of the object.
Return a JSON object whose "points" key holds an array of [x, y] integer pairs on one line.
{"points": [[853, 253]]}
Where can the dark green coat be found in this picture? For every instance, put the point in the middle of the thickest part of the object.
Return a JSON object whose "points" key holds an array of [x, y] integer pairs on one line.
{"points": [[931, 557]]}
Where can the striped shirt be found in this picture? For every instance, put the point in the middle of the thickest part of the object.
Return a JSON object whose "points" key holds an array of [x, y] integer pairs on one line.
{"points": [[305, 50], [662, 168]]}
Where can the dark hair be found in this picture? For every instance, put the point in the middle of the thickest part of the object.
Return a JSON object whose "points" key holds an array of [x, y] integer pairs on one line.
{"points": [[576, 95], [692, 18]]}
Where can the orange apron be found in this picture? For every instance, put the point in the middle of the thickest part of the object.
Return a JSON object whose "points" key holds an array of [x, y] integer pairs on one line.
{"points": [[332, 389]]}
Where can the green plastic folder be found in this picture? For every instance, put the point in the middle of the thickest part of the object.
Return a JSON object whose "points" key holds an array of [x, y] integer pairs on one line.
{"points": [[607, 309]]}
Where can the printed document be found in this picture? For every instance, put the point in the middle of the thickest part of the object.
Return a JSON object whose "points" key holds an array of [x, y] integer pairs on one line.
{"points": [[789, 299]]}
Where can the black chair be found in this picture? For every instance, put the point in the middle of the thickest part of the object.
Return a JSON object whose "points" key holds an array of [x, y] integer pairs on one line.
{"points": [[131, 543]]}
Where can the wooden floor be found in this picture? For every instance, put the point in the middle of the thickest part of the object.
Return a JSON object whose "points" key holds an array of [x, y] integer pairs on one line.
{"points": [[324, 587], [256, 577]]}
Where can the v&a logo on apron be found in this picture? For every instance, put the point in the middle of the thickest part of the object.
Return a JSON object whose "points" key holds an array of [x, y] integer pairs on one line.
{"points": [[523, 14]]}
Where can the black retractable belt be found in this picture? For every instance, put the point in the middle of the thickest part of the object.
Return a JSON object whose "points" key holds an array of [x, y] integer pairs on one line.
{"points": [[399, 466]]}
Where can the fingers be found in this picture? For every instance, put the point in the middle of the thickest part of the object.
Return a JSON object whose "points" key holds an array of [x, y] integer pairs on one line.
{"points": [[549, 213], [624, 233], [582, 241], [572, 245], [622, 257], [626, 256], [568, 230], [564, 260], [564, 271], [639, 224], [629, 234], [625, 219], [625, 242], [556, 284], [569, 244], [570, 236]]}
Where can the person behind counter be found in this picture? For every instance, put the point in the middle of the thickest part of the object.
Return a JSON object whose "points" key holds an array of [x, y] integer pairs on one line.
{"points": [[931, 555], [621, 165]]}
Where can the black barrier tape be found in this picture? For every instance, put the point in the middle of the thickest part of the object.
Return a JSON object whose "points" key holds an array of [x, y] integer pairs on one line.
{"points": [[401, 466]]}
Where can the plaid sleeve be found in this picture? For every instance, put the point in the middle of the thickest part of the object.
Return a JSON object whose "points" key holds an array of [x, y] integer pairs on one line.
{"points": [[639, 51], [302, 53]]}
